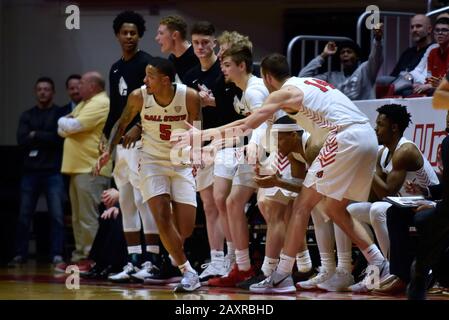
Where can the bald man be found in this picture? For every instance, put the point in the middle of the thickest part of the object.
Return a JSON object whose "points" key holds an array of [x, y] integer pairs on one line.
{"points": [[421, 34], [82, 130]]}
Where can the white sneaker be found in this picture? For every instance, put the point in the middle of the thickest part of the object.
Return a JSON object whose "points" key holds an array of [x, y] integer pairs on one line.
{"points": [[125, 275], [144, 272], [189, 282], [340, 281], [275, 283], [323, 275], [369, 282], [213, 269]]}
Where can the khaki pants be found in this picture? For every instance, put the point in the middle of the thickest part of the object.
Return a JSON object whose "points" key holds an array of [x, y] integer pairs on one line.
{"points": [[85, 197]]}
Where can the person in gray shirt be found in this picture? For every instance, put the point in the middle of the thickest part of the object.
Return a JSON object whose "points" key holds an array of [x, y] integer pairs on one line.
{"points": [[355, 81]]}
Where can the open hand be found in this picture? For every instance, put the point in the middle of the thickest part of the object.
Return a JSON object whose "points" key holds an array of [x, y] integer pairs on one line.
{"points": [[110, 213], [101, 162], [131, 137]]}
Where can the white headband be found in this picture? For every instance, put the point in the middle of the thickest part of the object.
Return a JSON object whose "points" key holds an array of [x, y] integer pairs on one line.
{"points": [[285, 127]]}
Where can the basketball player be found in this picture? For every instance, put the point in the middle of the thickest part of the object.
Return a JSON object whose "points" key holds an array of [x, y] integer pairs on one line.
{"points": [[203, 77], [342, 172], [237, 67], [172, 37], [399, 161], [126, 75], [166, 185], [277, 192]]}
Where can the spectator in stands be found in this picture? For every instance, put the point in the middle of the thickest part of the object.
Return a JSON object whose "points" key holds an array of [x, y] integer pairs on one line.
{"points": [[356, 82], [82, 129], [419, 74], [438, 59], [72, 85], [433, 222], [421, 34], [42, 147]]}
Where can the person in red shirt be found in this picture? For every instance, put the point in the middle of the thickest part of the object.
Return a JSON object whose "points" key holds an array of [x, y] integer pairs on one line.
{"points": [[438, 60]]}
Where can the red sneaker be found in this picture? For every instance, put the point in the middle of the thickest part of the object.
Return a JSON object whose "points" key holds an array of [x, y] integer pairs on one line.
{"points": [[61, 267], [231, 280], [85, 265]]}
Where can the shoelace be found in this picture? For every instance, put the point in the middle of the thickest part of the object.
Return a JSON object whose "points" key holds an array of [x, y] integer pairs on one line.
{"points": [[129, 267], [147, 266]]}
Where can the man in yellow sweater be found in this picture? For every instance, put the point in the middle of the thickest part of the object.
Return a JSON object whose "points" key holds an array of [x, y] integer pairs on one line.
{"points": [[82, 130]]}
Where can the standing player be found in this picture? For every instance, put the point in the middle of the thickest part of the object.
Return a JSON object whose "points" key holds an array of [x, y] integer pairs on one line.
{"points": [[167, 187], [237, 68], [203, 78], [342, 172], [171, 36], [399, 161], [126, 75]]}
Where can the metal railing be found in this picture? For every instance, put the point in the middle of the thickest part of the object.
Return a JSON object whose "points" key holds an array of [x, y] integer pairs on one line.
{"points": [[437, 11], [383, 14], [316, 39]]}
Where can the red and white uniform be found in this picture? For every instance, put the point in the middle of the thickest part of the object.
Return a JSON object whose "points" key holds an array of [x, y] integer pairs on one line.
{"points": [[345, 165], [160, 170], [424, 177]]}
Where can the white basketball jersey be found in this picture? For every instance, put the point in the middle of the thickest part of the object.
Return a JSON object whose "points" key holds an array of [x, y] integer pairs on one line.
{"points": [[253, 96], [159, 122], [424, 176], [324, 107], [298, 156]]}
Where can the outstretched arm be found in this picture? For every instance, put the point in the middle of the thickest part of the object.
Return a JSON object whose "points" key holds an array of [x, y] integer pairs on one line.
{"points": [[289, 99]]}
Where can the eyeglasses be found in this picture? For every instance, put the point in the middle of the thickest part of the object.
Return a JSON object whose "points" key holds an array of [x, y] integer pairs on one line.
{"points": [[441, 31]]}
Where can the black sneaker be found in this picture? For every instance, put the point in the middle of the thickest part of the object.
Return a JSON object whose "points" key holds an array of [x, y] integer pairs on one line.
{"points": [[303, 276], [93, 273], [17, 261], [247, 283], [165, 275]]}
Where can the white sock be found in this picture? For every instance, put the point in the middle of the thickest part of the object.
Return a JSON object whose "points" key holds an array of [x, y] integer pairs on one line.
{"points": [[186, 267], [152, 249], [286, 264], [373, 255], [135, 249], [242, 259], [345, 261], [328, 261], [216, 255], [303, 261], [231, 249], [269, 265]]}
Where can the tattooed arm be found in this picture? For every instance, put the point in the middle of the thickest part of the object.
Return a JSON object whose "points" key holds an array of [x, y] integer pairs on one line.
{"points": [[133, 107]]}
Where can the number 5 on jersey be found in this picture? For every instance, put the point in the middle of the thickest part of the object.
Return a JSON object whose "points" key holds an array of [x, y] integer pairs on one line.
{"points": [[165, 131]]}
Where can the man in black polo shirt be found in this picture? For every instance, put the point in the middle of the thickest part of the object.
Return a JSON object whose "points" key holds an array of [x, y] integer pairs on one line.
{"points": [[171, 36], [421, 33]]}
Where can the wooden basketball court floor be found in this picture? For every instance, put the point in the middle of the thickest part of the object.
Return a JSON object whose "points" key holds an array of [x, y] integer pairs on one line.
{"points": [[40, 282]]}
